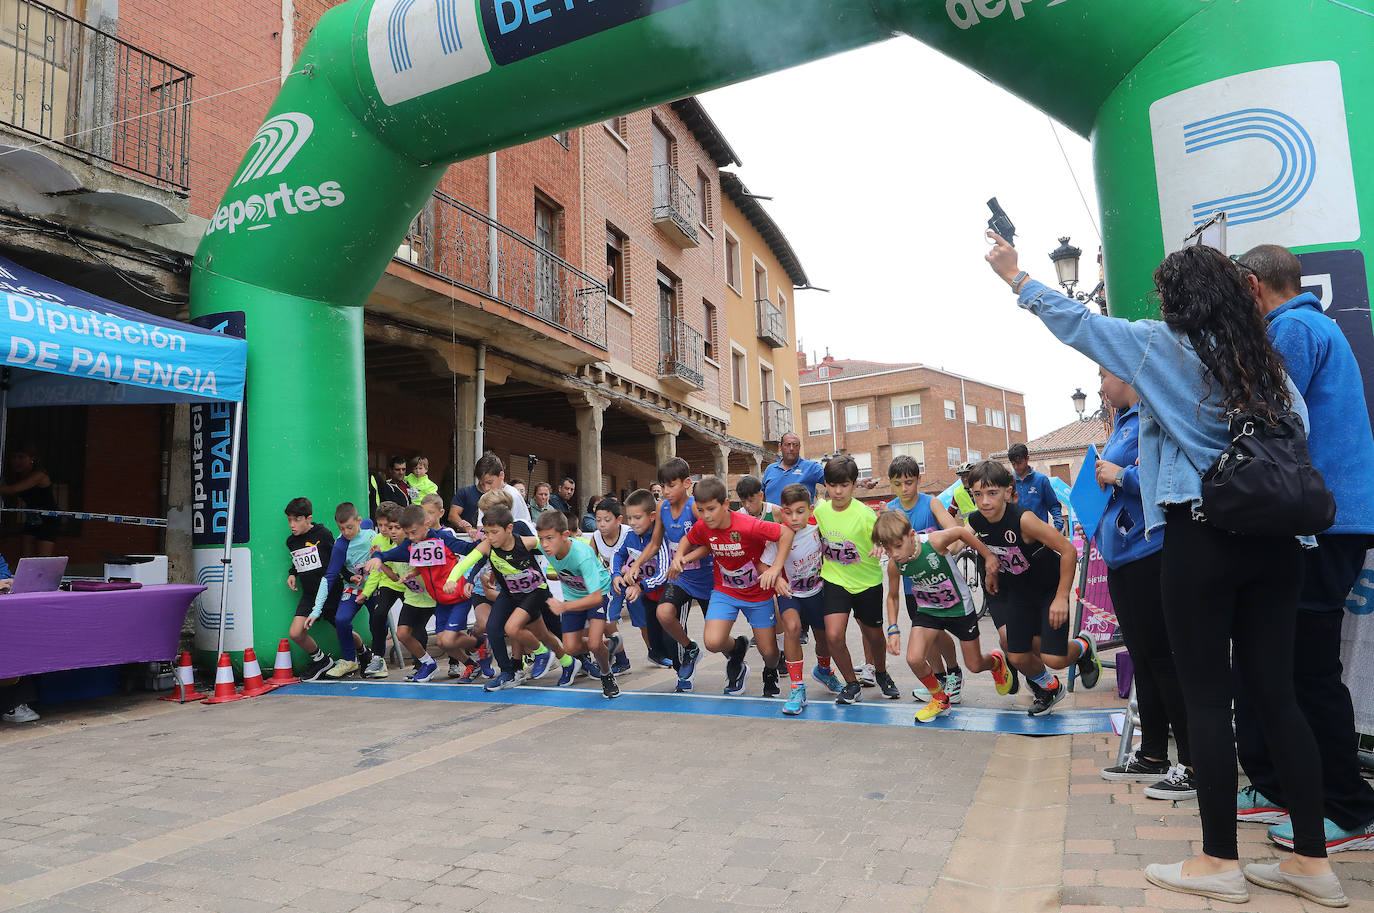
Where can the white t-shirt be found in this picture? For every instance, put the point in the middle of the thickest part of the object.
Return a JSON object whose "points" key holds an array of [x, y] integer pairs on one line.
{"points": [[803, 565], [607, 552], [519, 510]]}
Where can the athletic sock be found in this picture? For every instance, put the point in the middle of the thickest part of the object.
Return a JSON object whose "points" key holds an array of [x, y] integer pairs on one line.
{"points": [[1045, 679], [823, 662], [954, 669], [1083, 642], [935, 687], [541, 650], [794, 671], [566, 661]]}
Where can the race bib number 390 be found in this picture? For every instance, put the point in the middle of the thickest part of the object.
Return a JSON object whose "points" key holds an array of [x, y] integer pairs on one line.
{"points": [[306, 559], [429, 553]]}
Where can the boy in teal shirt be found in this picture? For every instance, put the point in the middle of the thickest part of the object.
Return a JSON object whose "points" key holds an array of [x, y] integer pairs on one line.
{"points": [[586, 597]]}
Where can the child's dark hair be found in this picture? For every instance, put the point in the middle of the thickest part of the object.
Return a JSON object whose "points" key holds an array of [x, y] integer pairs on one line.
{"points": [[794, 493], [299, 507], [499, 515], [890, 528], [710, 488], [642, 498], [747, 487], [674, 469], [413, 515], [841, 469], [549, 519], [904, 467], [1018, 452], [389, 511], [345, 512], [990, 472], [489, 465], [611, 506]]}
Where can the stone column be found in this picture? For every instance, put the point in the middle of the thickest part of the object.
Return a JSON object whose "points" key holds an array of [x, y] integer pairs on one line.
{"points": [[665, 440], [758, 467], [465, 453], [590, 410], [720, 455]]}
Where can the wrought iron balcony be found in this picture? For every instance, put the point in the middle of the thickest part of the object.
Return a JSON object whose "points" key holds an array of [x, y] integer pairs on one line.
{"points": [[772, 323], [675, 207], [777, 421], [76, 86], [679, 354], [453, 241]]}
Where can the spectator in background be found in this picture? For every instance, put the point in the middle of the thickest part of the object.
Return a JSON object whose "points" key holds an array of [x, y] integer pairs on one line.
{"points": [[390, 485], [588, 522], [30, 482], [417, 480], [541, 500], [791, 469], [1033, 489], [519, 486], [1322, 366], [562, 500], [657, 490], [16, 694]]}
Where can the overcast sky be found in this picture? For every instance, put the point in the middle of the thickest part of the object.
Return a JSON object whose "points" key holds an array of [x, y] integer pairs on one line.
{"points": [[880, 162]]}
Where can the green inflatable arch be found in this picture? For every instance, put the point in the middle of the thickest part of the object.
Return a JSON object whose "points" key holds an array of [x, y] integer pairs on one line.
{"points": [[1254, 107]]}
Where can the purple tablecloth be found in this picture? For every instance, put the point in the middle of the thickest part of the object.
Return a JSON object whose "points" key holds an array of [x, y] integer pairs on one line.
{"points": [[47, 632]]}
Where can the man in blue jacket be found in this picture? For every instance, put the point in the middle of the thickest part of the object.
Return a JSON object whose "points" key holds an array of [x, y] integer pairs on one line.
{"points": [[1323, 368], [1033, 489]]}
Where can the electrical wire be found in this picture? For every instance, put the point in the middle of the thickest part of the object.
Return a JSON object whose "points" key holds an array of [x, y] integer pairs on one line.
{"points": [[1086, 208], [1353, 9]]}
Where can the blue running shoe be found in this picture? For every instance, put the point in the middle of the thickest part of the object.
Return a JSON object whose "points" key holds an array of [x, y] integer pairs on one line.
{"points": [[827, 678], [500, 683], [620, 664], [590, 666], [659, 659], [469, 675], [484, 662], [796, 701], [1338, 839], [688, 670], [425, 672], [739, 682], [569, 672], [541, 664]]}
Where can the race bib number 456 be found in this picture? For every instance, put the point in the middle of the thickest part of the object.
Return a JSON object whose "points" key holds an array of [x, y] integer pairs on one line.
{"points": [[429, 553]]}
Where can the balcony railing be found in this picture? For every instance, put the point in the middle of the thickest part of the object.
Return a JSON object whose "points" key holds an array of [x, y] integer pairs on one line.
{"points": [[453, 241], [777, 421], [62, 80], [772, 323], [675, 206], [679, 353]]}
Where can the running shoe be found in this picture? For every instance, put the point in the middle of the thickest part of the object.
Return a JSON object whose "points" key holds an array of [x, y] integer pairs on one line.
{"points": [[659, 659], [1001, 672], [921, 692], [687, 671], [1136, 769], [1089, 666], [620, 663], [376, 668], [865, 675], [931, 710], [317, 667], [1046, 698], [425, 672], [541, 664], [828, 678], [1338, 839], [455, 668], [888, 687], [569, 673], [1015, 679], [852, 693], [609, 689], [1177, 784], [484, 660], [954, 686], [770, 683], [805, 637], [740, 681], [500, 683], [1252, 806], [342, 669], [796, 701], [734, 662], [522, 675], [614, 644], [364, 657], [590, 666], [470, 674], [22, 713]]}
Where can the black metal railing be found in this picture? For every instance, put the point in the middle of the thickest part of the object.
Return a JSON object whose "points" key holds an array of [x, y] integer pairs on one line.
{"points": [[675, 201], [453, 241], [772, 323], [79, 87], [680, 352], [777, 420]]}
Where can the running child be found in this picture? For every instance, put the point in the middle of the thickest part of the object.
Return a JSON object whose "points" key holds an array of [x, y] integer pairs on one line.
{"points": [[383, 588], [642, 596], [1033, 597], [606, 539], [942, 599], [852, 579], [311, 547], [804, 608], [750, 492], [345, 571], [586, 597], [743, 582]]}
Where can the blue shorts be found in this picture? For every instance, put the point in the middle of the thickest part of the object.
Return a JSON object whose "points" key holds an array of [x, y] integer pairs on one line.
{"points": [[452, 617], [578, 621], [811, 608], [639, 612], [724, 607]]}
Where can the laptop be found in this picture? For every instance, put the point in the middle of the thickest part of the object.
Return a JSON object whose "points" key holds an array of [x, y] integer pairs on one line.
{"points": [[38, 575]]}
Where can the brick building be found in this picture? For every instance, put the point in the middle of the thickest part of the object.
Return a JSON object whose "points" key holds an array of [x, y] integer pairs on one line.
{"points": [[1060, 453], [875, 411]]}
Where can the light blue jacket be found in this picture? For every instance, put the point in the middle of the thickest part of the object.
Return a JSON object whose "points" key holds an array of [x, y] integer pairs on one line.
{"points": [[1183, 425]]}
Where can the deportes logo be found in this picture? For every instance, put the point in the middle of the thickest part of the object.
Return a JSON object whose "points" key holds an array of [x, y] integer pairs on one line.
{"points": [[1297, 162], [275, 145]]}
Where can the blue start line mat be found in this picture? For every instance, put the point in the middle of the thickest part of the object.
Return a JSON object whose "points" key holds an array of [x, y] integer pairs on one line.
{"points": [[870, 713]]}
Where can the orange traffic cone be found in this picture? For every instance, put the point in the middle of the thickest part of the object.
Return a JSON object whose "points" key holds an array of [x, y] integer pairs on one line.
{"points": [[253, 685], [281, 669], [224, 683], [185, 688]]}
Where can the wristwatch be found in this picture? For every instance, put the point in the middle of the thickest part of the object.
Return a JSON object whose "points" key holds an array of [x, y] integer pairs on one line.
{"points": [[1116, 482]]}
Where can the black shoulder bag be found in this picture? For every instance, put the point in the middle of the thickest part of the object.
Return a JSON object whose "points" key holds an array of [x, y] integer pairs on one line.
{"points": [[1264, 483]]}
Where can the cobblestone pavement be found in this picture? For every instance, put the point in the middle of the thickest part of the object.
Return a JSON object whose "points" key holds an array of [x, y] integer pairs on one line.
{"points": [[384, 806]]}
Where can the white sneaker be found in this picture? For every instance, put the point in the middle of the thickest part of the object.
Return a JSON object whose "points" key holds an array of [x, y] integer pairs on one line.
{"points": [[20, 714], [866, 675]]}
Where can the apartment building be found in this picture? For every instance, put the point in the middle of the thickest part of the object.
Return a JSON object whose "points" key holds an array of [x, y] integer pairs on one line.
{"points": [[875, 411], [1059, 454]]}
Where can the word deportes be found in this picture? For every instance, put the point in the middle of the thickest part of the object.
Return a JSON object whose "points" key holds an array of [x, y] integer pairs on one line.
{"points": [[257, 207]]}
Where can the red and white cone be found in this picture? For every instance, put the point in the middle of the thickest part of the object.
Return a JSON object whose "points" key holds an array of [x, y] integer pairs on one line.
{"points": [[253, 685], [224, 683], [185, 688], [281, 669]]}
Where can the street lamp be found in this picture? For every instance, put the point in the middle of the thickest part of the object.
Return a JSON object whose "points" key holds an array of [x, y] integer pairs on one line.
{"points": [[1080, 402], [1065, 258]]}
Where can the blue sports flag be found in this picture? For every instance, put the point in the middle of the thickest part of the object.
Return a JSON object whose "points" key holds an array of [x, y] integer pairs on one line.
{"points": [[1088, 499]]}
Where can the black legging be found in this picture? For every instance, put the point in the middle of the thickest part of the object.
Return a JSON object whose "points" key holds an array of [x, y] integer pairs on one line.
{"points": [[1222, 590], [379, 611], [1135, 591]]}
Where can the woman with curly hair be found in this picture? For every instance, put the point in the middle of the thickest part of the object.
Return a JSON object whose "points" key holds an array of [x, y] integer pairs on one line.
{"points": [[1225, 595]]}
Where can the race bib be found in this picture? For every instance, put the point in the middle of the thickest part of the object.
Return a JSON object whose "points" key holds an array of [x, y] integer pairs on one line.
{"points": [[576, 581], [524, 582], [1010, 559], [805, 586], [414, 584], [306, 559], [430, 553], [692, 565], [741, 578], [941, 595], [843, 552]]}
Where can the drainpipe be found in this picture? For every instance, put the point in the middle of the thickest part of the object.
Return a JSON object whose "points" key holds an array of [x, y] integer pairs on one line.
{"points": [[963, 417], [480, 414], [1006, 419], [288, 37], [834, 445], [493, 265]]}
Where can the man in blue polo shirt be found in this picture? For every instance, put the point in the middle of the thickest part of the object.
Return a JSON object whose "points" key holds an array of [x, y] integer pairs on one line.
{"points": [[791, 470], [1318, 358], [1033, 489]]}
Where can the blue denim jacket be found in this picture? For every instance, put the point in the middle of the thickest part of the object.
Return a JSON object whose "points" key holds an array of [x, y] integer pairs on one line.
{"points": [[1121, 534], [1183, 425]]}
